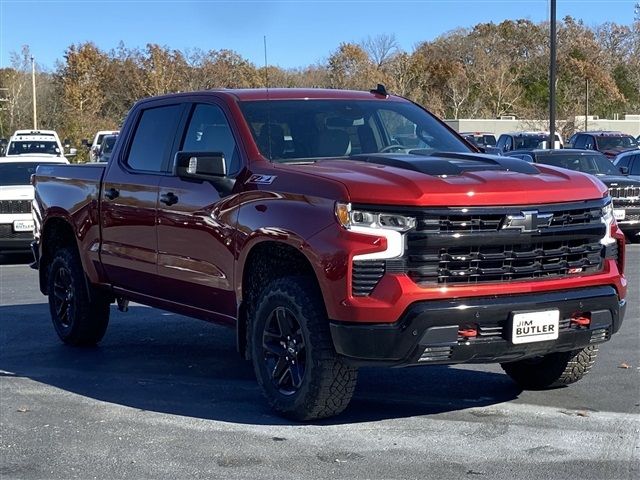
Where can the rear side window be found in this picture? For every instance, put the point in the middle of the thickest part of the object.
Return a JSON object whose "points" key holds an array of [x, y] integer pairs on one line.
{"points": [[153, 139]]}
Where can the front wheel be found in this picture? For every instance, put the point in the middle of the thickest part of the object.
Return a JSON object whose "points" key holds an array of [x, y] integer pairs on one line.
{"points": [[293, 355], [552, 370], [80, 317]]}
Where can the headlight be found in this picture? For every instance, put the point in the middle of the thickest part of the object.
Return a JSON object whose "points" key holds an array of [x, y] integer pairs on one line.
{"points": [[608, 219], [349, 218]]}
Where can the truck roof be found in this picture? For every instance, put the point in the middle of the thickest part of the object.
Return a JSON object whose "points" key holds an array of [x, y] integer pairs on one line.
{"points": [[254, 94], [34, 135]]}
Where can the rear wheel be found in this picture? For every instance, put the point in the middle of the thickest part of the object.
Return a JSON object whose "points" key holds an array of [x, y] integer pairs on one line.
{"points": [[293, 355], [553, 370], [78, 317]]}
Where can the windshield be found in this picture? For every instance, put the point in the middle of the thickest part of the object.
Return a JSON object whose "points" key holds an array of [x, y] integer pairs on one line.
{"points": [[593, 164], [18, 173], [289, 130], [20, 147], [614, 143], [531, 142]]}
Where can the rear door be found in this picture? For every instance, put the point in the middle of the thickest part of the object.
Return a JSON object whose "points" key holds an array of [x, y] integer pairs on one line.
{"points": [[197, 220], [129, 199]]}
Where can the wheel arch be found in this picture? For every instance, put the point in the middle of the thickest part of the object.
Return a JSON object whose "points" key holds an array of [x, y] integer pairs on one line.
{"points": [[57, 233], [263, 262]]}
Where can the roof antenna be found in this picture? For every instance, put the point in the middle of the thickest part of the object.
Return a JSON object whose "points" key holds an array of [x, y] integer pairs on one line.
{"points": [[380, 90], [266, 82]]}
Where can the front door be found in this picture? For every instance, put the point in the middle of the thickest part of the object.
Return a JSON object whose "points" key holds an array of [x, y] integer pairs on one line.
{"points": [[197, 221]]}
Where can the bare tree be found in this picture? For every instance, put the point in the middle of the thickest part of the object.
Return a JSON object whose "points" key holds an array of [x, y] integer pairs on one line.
{"points": [[381, 48]]}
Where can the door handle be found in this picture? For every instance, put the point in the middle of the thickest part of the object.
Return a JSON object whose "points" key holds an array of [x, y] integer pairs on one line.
{"points": [[169, 198], [112, 193]]}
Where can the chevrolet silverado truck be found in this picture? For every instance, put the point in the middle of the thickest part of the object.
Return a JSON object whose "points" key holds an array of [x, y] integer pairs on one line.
{"points": [[297, 217]]}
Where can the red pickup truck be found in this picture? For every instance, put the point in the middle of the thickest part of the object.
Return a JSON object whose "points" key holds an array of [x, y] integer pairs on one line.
{"points": [[333, 229]]}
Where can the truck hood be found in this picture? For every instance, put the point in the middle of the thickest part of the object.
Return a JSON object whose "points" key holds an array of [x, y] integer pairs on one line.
{"points": [[16, 192], [453, 179]]}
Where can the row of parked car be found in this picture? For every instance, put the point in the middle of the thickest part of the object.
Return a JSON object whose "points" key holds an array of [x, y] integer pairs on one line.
{"points": [[613, 157], [19, 158]]}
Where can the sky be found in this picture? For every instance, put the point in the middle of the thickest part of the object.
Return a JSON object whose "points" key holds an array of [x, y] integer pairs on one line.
{"points": [[299, 33]]}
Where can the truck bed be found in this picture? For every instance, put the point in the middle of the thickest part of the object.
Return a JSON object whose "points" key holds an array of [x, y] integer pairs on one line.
{"points": [[71, 193]]}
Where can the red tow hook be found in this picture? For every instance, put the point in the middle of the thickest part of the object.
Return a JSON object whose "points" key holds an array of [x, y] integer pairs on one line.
{"points": [[582, 320], [467, 332]]}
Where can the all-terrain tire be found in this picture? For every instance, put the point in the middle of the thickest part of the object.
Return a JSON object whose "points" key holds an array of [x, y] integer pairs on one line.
{"points": [[325, 383], [553, 370], [79, 317]]}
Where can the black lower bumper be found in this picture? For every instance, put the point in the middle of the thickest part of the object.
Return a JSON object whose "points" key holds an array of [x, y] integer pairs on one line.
{"points": [[428, 332], [15, 245]]}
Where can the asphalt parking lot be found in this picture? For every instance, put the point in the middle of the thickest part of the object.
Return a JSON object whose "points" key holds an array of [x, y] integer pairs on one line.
{"points": [[168, 397]]}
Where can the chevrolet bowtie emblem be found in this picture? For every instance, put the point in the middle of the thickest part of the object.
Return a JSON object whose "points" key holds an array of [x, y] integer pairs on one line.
{"points": [[529, 221]]}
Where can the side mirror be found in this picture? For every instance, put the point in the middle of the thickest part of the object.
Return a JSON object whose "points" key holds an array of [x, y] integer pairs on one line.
{"points": [[85, 143], [200, 165], [624, 170], [66, 142]]}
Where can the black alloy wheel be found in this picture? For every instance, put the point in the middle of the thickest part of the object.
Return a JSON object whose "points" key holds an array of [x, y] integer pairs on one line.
{"points": [[80, 313], [284, 350], [63, 297]]}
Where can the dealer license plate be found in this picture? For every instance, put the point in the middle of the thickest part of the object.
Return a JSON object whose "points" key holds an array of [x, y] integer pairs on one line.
{"points": [[619, 214], [23, 226], [538, 326]]}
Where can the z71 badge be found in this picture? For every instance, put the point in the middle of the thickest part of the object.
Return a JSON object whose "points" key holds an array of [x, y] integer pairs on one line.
{"points": [[262, 179]]}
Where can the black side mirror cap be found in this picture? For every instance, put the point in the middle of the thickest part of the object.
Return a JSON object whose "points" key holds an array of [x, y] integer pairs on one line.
{"points": [[200, 165], [624, 170]]}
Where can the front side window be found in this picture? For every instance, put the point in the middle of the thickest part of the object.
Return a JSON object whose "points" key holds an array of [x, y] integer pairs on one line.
{"points": [[209, 131], [153, 138], [635, 167], [290, 130]]}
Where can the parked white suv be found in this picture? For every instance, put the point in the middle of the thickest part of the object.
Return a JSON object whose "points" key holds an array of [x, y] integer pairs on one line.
{"points": [[36, 144], [16, 195]]}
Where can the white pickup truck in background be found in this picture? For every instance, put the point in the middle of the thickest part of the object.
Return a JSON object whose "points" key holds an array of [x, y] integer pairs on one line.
{"points": [[94, 151], [25, 151]]}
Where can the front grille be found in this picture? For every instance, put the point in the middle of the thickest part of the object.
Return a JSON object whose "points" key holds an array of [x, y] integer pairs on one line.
{"points": [[631, 191], [492, 263], [15, 206], [465, 222], [365, 276], [6, 232], [473, 245]]}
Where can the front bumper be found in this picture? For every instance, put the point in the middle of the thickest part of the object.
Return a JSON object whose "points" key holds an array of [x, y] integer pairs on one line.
{"points": [[428, 332], [15, 245]]}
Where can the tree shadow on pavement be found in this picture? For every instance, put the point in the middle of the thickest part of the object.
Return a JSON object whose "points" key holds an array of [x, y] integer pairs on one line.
{"points": [[157, 361]]}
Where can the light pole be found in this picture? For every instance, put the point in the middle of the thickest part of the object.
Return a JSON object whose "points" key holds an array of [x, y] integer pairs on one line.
{"points": [[33, 86], [552, 77], [586, 103]]}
